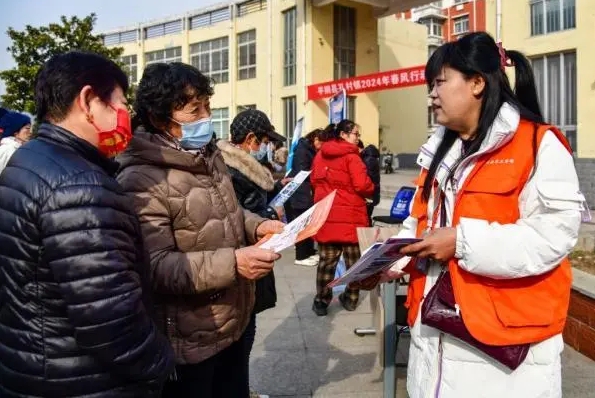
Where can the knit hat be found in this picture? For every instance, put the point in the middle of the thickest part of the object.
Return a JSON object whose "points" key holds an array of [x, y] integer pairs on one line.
{"points": [[255, 121], [12, 122]]}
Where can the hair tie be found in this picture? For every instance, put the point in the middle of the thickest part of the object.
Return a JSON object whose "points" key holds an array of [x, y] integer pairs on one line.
{"points": [[504, 60]]}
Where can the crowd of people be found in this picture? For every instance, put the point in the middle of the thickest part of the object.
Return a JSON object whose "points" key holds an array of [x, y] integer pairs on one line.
{"points": [[130, 265]]}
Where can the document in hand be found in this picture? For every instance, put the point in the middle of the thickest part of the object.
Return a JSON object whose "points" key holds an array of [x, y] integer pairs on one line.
{"points": [[378, 258], [305, 226], [289, 189]]}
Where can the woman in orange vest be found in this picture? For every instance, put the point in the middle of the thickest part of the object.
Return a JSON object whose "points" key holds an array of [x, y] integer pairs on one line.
{"points": [[498, 206]]}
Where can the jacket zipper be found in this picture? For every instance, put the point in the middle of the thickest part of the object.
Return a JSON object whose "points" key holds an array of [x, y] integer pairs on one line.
{"points": [[439, 380]]}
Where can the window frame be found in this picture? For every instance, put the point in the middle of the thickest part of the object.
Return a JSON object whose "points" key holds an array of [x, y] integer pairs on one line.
{"points": [[220, 75], [246, 69]]}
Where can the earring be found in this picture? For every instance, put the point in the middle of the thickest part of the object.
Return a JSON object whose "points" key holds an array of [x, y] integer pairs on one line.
{"points": [[89, 117]]}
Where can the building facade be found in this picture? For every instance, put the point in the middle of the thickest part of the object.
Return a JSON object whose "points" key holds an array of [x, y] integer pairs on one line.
{"points": [[445, 21], [557, 36], [263, 54]]}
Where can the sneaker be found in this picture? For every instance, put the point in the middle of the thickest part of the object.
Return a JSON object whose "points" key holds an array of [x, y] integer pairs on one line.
{"points": [[348, 306], [319, 308], [315, 257], [307, 262]]}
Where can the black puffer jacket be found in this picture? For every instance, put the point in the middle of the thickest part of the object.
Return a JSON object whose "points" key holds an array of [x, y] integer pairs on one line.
{"points": [[303, 156], [72, 312], [254, 186], [371, 157], [252, 180]]}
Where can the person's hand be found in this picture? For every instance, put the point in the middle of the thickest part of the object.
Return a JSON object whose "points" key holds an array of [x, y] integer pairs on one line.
{"points": [[269, 227], [368, 283], [280, 211], [388, 275], [253, 262], [286, 181], [439, 244]]}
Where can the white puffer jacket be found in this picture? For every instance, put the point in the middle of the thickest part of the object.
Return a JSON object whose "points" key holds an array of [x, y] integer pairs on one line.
{"points": [[8, 146], [550, 207]]}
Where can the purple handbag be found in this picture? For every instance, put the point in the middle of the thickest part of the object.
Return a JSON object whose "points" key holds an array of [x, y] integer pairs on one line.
{"points": [[439, 311]]}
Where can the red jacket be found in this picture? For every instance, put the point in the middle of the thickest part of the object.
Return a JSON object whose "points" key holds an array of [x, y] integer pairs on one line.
{"points": [[339, 166]]}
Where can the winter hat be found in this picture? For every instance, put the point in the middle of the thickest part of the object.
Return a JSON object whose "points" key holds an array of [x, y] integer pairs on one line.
{"points": [[12, 122], [254, 121]]}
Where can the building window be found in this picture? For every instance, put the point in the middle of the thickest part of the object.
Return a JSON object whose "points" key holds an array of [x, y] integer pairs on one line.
{"points": [[212, 58], [250, 6], [220, 119], [549, 16], [351, 108], [120, 37], [461, 25], [247, 55], [289, 116], [431, 50], [289, 46], [460, 1], [555, 77], [209, 18], [163, 29], [434, 27], [344, 41], [242, 108], [129, 63], [168, 55]]}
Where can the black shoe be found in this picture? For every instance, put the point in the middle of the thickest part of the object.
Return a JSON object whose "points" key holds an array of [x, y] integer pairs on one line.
{"points": [[348, 306], [319, 308]]}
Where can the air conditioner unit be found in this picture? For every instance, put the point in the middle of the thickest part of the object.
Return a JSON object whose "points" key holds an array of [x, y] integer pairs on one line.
{"points": [[459, 7]]}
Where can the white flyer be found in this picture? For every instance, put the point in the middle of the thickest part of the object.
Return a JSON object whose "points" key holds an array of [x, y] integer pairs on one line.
{"points": [[305, 226]]}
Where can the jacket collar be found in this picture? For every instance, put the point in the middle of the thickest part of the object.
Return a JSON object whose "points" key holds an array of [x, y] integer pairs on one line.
{"points": [[64, 138], [245, 163], [149, 148], [501, 131]]}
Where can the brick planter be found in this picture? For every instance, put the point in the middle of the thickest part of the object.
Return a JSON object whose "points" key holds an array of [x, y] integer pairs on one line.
{"points": [[579, 332]]}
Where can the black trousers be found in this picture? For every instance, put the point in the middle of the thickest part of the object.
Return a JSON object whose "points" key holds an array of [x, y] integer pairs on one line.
{"points": [[305, 248], [224, 375]]}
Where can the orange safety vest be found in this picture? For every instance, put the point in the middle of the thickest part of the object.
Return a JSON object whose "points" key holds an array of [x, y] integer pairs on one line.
{"points": [[496, 311]]}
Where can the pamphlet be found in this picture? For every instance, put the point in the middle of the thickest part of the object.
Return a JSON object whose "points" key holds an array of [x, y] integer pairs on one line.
{"points": [[289, 189], [305, 226], [378, 258]]}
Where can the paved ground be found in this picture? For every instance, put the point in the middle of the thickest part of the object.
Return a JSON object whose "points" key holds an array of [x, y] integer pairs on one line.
{"points": [[298, 354]]}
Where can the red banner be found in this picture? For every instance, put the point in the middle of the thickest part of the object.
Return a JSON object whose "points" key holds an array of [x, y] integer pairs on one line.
{"points": [[387, 80]]}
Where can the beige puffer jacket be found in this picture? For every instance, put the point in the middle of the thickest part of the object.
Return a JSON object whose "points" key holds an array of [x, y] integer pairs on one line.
{"points": [[192, 224]]}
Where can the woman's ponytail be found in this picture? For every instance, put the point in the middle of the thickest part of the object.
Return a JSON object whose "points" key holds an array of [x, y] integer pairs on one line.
{"points": [[524, 84]]}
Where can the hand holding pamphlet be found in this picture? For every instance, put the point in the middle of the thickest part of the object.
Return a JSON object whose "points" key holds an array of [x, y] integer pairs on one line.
{"points": [[305, 226], [379, 257], [289, 189]]}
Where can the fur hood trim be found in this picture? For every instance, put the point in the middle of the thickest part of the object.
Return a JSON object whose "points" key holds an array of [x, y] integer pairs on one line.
{"points": [[246, 164]]}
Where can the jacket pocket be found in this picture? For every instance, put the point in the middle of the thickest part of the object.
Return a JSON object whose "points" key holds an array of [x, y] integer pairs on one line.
{"points": [[524, 302], [560, 196]]}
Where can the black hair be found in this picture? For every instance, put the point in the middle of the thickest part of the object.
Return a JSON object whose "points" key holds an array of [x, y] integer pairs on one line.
{"points": [[333, 131], [360, 144], [313, 135], [63, 76], [477, 54], [164, 88]]}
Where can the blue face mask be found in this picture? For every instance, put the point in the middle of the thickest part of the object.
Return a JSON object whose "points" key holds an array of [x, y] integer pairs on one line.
{"points": [[261, 153], [196, 135]]}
